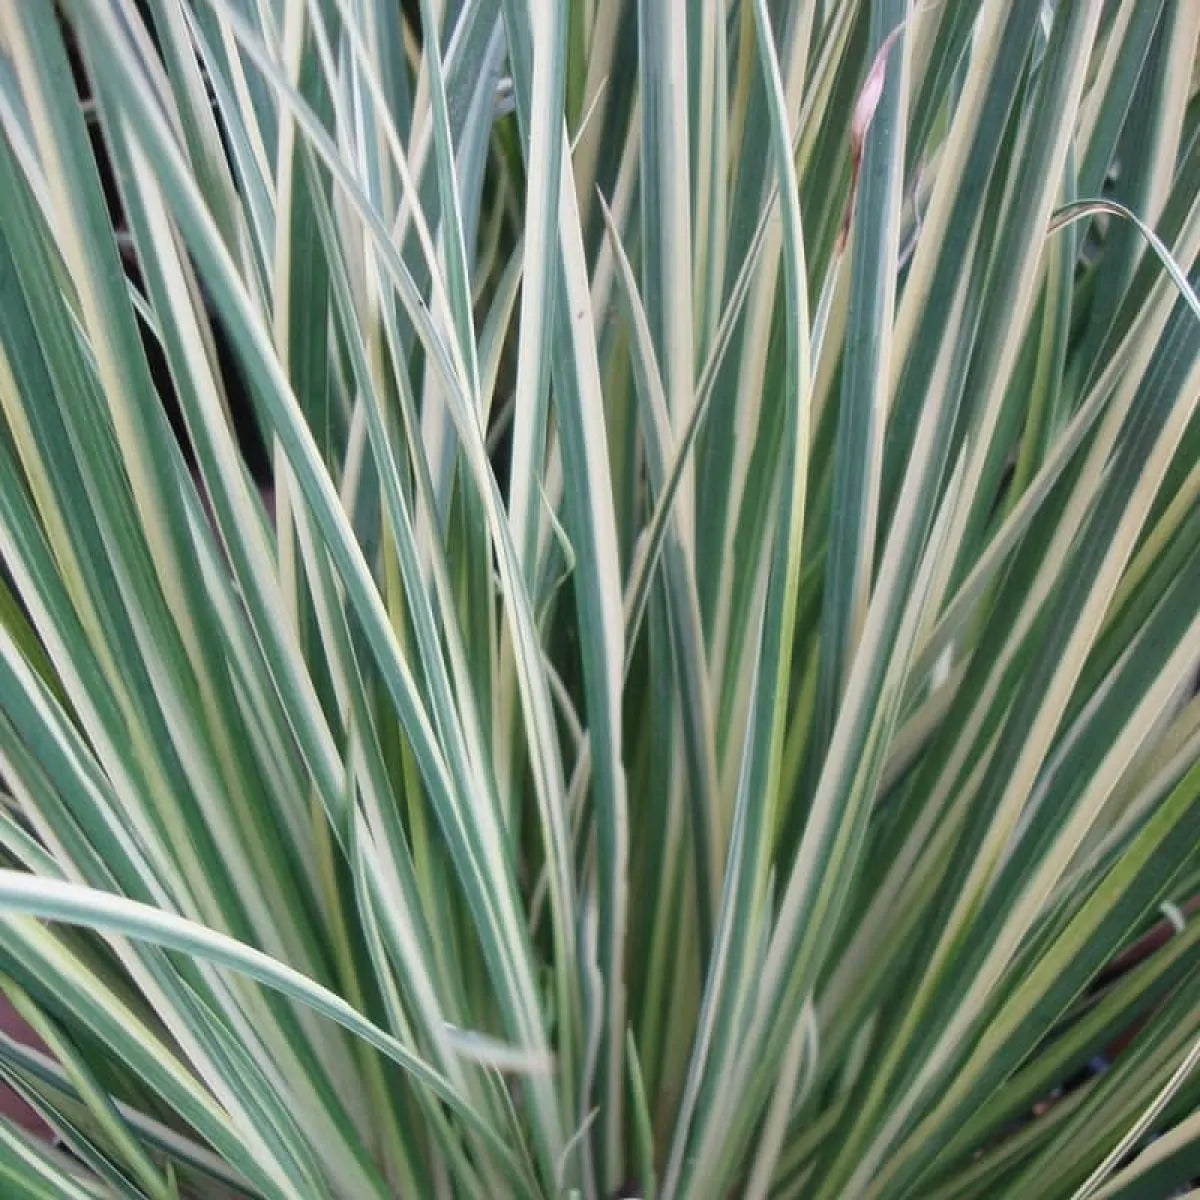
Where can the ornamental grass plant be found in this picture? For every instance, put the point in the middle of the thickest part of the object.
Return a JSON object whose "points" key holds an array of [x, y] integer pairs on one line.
{"points": [[696, 696]]}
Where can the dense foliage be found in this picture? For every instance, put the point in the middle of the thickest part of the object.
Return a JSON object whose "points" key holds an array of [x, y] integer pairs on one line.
{"points": [[696, 695]]}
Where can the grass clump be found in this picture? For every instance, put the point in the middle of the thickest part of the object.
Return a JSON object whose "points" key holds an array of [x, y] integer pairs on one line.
{"points": [[600, 598]]}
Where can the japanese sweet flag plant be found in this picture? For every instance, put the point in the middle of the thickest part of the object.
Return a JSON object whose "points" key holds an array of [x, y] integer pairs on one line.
{"points": [[599, 598]]}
